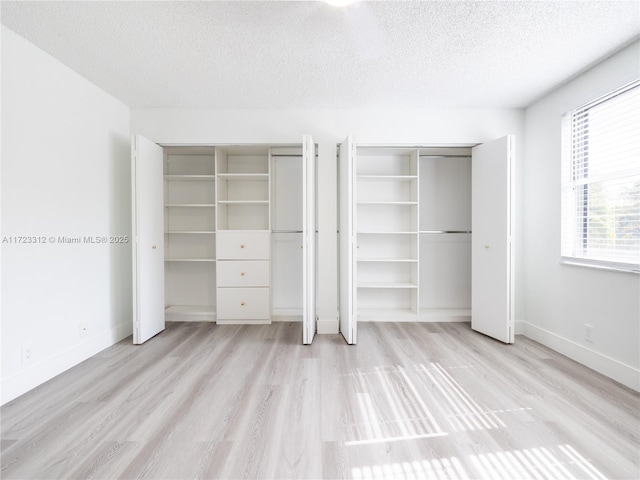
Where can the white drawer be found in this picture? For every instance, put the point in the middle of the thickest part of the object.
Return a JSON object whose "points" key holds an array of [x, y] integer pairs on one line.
{"points": [[239, 245], [243, 303], [243, 273]]}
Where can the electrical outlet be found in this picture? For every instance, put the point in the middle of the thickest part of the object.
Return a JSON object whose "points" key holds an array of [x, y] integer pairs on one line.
{"points": [[82, 329], [26, 354], [588, 332]]}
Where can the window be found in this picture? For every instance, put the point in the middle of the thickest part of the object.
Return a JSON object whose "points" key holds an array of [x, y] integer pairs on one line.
{"points": [[601, 181]]}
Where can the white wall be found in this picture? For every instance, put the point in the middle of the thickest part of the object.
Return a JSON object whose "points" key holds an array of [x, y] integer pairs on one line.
{"points": [[560, 299], [65, 172], [328, 128]]}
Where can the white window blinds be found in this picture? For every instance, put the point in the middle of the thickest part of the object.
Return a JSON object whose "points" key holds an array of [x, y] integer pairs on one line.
{"points": [[601, 181]]}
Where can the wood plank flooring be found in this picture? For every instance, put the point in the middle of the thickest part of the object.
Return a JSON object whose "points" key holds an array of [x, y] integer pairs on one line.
{"points": [[409, 401]]}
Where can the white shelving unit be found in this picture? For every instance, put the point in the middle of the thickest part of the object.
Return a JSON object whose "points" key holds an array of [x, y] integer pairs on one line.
{"points": [[387, 233], [407, 252], [203, 242], [244, 234], [412, 224], [190, 229]]}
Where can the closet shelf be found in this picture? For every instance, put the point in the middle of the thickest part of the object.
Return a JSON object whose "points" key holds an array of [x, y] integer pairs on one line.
{"points": [[387, 233], [189, 259], [439, 313], [387, 285], [401, 178], [446, 232], [243, 176], [189, 232], [386, 314], [190, 178], [388, 260], [384, 202], [195, 310], [189, 205]]}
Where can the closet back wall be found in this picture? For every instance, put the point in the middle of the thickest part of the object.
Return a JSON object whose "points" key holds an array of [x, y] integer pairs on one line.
{"points": [[328, 128]]}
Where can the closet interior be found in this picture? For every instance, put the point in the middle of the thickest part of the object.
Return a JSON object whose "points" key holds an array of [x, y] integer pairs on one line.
{"points": [[412, 224], [233, 238]]}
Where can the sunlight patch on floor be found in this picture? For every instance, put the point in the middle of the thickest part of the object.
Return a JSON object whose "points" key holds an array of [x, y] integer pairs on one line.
{"points": [[563, 462], [437, 468], [554, 463], [389, 408], [465, 413]]}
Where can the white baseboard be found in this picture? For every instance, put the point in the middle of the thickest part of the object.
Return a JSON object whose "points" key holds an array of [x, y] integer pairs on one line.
{"points": [[327, 326], [518, 327], [618, 371], [265, 321], [286, 315], [38, 373]]}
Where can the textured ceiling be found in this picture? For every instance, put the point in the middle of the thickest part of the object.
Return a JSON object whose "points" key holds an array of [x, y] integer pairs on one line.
{"points": [[273, 54]]}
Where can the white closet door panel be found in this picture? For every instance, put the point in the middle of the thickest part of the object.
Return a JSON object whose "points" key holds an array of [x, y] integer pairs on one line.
{"points": [[309, 234], [348, 320], [148, 235], [491, 252]]}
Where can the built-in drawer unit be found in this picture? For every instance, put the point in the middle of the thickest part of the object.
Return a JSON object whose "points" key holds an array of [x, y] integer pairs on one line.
{"points": [[243, 273], [243, 276], [243, 304], [243, 245]]}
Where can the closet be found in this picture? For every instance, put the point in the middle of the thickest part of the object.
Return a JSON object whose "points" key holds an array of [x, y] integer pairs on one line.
{"points": [[243, 239], [407, 240], [203, 244]]}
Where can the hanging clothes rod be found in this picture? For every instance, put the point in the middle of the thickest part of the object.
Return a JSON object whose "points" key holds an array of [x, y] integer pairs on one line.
{"points": [[444, 231], [287, 231]]}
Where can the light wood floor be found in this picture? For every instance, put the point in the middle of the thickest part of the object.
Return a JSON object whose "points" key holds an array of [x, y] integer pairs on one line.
{"points": [[409, 401]]}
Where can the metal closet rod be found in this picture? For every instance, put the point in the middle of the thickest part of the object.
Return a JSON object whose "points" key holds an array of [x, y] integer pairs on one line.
{"points": [[445, 156], [287, 231]]}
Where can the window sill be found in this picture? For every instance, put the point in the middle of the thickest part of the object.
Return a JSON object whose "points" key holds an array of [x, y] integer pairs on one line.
{"points": [[601, 265]]}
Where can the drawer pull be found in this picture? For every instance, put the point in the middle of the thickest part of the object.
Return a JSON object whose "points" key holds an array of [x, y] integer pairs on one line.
{"points": [[242, 274], [242, 245], [242, 304]]}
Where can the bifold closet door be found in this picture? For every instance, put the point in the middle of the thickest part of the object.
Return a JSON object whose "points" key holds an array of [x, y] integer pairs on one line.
{"points": [[491, 250], [309, 237], [147, 238], [348, 321]]}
